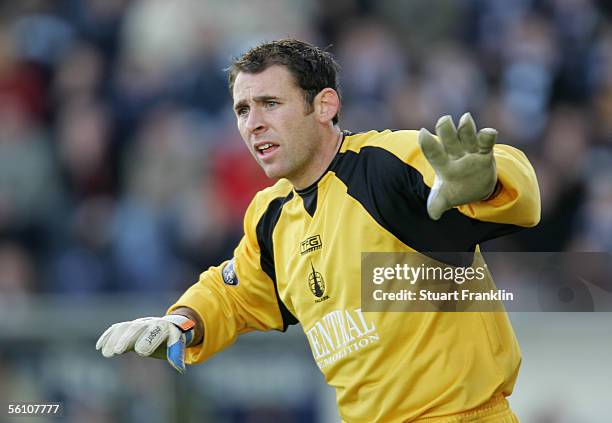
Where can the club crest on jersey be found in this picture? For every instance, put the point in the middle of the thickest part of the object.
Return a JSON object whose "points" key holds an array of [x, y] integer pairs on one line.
{"points": [[317, 285], [310, 244], [229, 275]]}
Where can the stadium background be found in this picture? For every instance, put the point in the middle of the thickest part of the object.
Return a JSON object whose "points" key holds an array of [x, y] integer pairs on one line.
{"points": [[122, 176]]}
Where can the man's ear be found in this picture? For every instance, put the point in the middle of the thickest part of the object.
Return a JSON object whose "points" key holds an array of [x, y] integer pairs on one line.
{"points": [[326, 105]]}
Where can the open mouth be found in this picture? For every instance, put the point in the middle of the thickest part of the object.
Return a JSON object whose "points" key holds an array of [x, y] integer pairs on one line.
{"points": [[265, 148]]}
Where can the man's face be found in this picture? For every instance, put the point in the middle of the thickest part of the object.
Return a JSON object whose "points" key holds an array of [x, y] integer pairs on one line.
{"points": [[275, 123]]}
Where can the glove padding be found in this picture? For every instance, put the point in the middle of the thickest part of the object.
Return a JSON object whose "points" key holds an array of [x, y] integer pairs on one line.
{"points": [[462, 161], [159, 337]]}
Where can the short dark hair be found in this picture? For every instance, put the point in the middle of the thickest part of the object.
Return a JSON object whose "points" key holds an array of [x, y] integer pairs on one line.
{"points": [[312, 68]]}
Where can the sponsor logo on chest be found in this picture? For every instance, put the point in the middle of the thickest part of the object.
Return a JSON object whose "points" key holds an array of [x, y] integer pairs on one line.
{"points": [[339, 334]]}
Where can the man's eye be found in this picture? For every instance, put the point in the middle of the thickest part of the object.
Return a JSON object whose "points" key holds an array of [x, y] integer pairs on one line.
{"points": [[270, 104], [242, 111]]}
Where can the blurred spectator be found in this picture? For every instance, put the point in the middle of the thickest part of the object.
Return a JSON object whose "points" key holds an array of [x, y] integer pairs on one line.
{"points": [[601, 74], [595, 218], [577, 22], [372, 68], [530, 61], [561, 174], [18, 277], [450, 90], [83, 137], [29, 186], [78, 74], [84, 266], [163, 169], [21, 84], [96, 21], [41, 36]]}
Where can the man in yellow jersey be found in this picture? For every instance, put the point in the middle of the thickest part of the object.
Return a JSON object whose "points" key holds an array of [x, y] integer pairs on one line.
{"points": [[339, 194]]}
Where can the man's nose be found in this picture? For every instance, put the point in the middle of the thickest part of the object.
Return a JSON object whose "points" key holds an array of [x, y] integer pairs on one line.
{"points": [[255, 122]]}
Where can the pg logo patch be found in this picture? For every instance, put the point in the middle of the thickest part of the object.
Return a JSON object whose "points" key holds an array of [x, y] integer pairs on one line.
{"points": [[229, 275], [312, 243]]}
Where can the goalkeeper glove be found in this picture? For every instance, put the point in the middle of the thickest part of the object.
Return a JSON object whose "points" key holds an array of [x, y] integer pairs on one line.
{"points": [[159, 337], [462, 161]]}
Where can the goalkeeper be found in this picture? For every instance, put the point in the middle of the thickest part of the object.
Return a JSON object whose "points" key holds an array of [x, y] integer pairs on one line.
{"points": [[340, 194]]}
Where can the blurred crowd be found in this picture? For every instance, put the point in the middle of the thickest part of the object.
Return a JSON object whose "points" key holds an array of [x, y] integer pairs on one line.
{"points": [[121, 168]]}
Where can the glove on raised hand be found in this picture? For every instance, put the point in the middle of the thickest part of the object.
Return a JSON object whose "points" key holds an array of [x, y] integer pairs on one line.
{"points": [[159, 337], [463, 162]]}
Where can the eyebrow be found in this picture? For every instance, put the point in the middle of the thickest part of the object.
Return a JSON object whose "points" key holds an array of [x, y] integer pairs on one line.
{"points": [[258, 99]]}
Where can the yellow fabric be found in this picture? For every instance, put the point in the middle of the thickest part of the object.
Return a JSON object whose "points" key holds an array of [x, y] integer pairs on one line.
{"points": [[496, 410], [385, 367]]}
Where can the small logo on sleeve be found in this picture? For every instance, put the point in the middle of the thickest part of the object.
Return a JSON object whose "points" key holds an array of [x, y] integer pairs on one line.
{"points": [[229, 275], [310, 244]]}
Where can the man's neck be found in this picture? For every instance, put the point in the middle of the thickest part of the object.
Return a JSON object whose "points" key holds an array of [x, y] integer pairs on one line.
{"points": [[328, 152]]}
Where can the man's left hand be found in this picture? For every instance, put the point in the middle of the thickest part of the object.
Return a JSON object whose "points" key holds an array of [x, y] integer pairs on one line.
{"points": [[463, 162]]}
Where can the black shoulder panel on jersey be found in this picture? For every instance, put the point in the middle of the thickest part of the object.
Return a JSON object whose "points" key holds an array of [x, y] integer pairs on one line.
{"points": [[395, 195], [265, 228]]}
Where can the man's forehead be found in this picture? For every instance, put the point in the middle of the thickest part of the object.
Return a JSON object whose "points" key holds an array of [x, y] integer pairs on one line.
{"points": [[273, 81]]}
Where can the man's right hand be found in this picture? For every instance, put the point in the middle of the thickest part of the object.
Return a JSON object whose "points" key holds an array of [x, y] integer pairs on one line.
{"points": [[159, 337]]}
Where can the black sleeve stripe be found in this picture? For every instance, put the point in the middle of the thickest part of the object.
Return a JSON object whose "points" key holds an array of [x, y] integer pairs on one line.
{"points": [[264, 230], [395, 195]]}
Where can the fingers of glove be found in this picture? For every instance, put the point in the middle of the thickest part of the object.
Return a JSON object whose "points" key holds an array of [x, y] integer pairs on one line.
{"points": [[445, 128], [432, 149], [486, 140], [436, 204], [103, 338], [129, 337], [150, 339], [116, 331], [467, 133], [176, 350]]}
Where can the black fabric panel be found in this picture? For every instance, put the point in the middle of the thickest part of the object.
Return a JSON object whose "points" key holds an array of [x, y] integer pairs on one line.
{"points": [[395, 195], [264, 230], [309, 198]]}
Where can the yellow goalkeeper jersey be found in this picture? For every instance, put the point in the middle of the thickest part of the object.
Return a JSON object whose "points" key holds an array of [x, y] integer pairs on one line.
{"points": [[299, 262]]}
